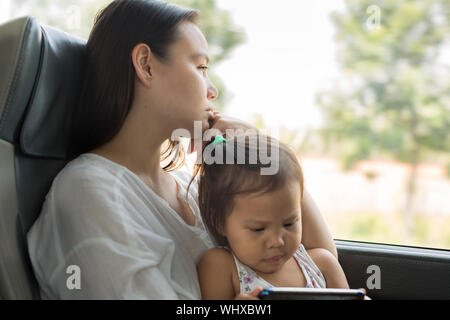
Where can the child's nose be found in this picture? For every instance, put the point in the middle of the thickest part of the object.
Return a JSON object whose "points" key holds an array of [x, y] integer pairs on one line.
{"points": [[275, 241]]}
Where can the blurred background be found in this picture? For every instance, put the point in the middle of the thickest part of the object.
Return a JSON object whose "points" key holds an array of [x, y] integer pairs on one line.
{"points": [[360, 89]]}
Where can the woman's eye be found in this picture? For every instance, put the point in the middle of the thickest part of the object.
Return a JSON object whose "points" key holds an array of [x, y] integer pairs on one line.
{"points": [[204, 68]]}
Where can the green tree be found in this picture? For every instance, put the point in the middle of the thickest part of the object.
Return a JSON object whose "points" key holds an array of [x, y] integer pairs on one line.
{"points": [[395, 98], [77, 17]]}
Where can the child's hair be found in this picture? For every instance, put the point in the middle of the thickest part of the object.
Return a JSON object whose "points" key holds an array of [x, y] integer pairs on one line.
{"points": [[220, 182]]}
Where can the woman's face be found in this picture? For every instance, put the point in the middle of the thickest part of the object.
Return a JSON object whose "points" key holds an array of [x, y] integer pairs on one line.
{"points": [[181, 90], [265, 230]]}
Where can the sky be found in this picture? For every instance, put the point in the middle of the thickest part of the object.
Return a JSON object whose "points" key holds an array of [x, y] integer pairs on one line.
{"points": [[289, 55]]}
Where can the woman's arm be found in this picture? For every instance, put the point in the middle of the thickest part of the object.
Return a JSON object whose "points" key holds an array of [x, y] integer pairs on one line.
{"points": [[330, 268], [315, 230]]}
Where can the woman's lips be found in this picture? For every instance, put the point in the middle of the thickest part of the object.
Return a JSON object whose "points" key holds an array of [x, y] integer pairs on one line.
{"points": [[273, 259]]}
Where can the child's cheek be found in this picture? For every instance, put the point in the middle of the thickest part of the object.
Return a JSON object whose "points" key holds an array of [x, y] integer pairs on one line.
{"points": [[298, 233]]}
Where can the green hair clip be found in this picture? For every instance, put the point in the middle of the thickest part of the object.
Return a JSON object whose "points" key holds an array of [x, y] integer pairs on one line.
{"points": [[219, 139]]}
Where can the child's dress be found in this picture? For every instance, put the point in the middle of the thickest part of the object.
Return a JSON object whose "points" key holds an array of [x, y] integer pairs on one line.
{"points": [[249, 279]]}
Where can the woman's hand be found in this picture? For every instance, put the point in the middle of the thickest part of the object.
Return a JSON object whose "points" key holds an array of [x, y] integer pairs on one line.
{"points": [[250, 296], [229, 126], [224, 125]]}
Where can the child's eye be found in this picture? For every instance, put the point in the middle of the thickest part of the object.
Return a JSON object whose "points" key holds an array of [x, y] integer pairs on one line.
{"points": [[287, 225], [204, 68], [257, 229]]}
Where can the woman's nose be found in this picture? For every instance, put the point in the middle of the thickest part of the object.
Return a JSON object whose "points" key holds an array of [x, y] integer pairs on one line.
{"points": [[212, 91]]}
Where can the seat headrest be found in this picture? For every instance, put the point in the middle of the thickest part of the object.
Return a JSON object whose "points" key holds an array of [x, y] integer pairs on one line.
{"points": [[20, 51], [52, 63]]}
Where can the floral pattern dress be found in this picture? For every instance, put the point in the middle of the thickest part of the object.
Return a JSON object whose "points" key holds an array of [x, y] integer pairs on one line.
{"points": [[249, 279]]}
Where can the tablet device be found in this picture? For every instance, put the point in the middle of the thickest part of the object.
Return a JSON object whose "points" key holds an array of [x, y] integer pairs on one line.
{"points": [[294, 293]]}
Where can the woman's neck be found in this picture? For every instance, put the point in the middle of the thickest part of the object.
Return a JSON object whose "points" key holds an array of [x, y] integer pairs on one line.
{"points": [[136, 146], [141, 160]]}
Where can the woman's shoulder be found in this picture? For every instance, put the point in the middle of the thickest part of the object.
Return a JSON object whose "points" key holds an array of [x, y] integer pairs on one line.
{"points": [[88, 198], [81, 195], [87, 167], [90, 163], [83, 177]]}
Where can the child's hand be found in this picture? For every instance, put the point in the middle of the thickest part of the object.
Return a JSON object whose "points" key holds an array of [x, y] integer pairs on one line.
{"points": [[365, 292], [249, 296]]}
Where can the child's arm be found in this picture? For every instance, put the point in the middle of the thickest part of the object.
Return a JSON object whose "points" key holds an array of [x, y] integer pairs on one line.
{"points": [[215, 274], [330, 268]]}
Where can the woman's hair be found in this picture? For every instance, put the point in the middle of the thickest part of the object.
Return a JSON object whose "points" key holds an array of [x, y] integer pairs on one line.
{"points": [[108, 87], [220, 183]]}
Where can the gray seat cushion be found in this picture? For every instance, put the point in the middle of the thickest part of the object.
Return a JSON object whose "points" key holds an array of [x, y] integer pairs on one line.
{"points": [[38, 93]]}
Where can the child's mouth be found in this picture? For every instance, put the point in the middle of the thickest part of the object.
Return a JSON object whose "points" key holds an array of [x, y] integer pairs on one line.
{"points": [[273, 259]]}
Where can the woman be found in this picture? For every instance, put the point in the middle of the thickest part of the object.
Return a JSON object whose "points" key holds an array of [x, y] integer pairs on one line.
{"points": [[115, 224]]}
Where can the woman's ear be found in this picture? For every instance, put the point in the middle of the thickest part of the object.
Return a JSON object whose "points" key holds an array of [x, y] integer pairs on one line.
{"points": [[141, 56]]}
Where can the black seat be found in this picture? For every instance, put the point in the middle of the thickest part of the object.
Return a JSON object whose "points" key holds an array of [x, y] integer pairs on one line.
{"points": [[41, 70]]}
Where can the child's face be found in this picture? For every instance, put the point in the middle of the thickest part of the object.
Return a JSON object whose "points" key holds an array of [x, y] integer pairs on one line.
{"points": [[265, 230]]}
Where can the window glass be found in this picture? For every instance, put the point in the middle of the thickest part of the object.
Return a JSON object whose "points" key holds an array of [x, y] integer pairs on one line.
{"points": [[360, 89]]}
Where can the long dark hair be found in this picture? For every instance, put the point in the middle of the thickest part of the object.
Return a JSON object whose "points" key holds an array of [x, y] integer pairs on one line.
{"points": [[108, 87], [219, 183]]}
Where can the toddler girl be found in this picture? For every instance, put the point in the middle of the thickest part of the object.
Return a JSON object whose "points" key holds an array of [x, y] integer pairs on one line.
{"points": [[256, 221]]}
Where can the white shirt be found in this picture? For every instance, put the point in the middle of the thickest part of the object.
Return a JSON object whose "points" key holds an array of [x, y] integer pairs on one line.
{"points": [[126, 240]]}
